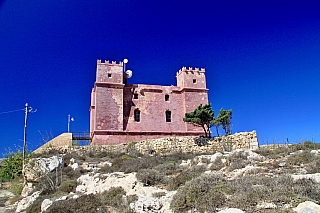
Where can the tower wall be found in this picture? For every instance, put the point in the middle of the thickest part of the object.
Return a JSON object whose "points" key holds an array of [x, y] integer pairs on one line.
{"points": [[106, 109], [193, 84]]}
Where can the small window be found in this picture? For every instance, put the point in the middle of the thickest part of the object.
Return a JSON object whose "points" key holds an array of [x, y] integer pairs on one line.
{"points": [[137, 115], [194, 81], [166, 97], [109, 75], [168, 116], [135, 96]]}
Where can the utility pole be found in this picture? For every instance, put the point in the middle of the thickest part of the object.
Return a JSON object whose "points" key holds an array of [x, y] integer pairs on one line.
{"points": [[25, 143], [26, 111], [69, 120]]}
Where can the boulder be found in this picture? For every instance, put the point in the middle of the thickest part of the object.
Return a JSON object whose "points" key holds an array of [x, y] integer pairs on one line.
{"points": [[37, 167], [307, 207]]}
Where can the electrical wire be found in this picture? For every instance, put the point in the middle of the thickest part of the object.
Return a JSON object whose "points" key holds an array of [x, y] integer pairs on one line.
{"points": [[11, 111]]}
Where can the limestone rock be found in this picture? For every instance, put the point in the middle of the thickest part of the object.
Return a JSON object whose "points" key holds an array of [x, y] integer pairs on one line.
{"points": [[37, 167], [46, 203], [307, 207], [27, 189], [231, 210], [315, 177], [27, 201]]}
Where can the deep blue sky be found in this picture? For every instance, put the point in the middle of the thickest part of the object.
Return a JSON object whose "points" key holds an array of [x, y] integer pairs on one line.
{"points": [[262, 60]]}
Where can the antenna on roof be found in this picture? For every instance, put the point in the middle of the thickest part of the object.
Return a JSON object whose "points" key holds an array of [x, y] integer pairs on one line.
{"points": [[126, 73]]}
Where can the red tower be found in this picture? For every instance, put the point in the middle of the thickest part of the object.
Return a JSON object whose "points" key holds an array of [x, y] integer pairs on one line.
{"points": [[122, 113]]}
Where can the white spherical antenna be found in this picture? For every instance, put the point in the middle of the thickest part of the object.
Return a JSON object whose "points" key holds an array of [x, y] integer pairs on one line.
{"points": [[125, 60], [128, 74]]}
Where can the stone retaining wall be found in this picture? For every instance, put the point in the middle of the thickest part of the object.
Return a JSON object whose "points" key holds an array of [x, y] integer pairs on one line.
{"points": [[175, 144]]}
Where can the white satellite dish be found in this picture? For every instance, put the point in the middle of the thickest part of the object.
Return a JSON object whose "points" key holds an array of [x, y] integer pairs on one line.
{"points": [[128, 74]]}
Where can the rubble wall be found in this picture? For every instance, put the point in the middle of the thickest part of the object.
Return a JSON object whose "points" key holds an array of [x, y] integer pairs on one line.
{"points": [[247, 140]]}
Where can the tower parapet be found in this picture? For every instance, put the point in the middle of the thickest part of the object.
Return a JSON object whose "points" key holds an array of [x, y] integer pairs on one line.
{"points": [[191, 78], [109, 72], [107, 63]]}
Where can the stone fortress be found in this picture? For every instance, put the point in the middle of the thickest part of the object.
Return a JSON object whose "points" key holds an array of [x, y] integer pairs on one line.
{"points": [[122, 112], [151, 116]]}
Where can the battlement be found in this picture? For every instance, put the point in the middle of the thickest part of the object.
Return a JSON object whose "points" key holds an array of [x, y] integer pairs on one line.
{"points": [[190, 69], [106, 62]]}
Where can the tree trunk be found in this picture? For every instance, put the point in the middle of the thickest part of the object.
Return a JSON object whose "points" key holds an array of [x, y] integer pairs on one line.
{"points": [[217, 130], [205, 131]]}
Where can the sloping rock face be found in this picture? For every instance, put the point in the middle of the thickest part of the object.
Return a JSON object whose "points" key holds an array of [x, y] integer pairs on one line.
{"points": [[97, 183], [36, 169], [27, 201]]}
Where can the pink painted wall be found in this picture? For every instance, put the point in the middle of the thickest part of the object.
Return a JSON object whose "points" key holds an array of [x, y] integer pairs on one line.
{"points": [[113, 104]]}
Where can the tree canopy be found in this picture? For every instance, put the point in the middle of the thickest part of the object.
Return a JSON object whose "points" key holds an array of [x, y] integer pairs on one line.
{"points": [[202, 116], [224, 119]]}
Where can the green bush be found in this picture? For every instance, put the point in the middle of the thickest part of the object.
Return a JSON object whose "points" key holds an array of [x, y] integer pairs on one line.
{"points": [[84, 204], [205, 194], [168, 168], [113, 196], [186, 175], [11, 166], [150, 177], [68, 186]]}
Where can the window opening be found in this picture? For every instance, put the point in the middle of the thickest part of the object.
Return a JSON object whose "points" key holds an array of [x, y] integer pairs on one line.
{"points": [[137, 115], [168, 116], [194, 81], [166, 97], [135, 96], [109, 75]]}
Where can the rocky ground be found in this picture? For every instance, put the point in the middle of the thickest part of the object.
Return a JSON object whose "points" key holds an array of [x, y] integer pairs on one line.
{"points": [[269, 179]]}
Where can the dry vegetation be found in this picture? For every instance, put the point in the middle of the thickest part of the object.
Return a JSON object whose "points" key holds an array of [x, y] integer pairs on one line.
{"points": [[269, 181]]}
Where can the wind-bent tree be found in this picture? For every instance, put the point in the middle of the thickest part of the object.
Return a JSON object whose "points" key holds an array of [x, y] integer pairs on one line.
{"points": [[217, 123], [224, 119], [202, 116]]}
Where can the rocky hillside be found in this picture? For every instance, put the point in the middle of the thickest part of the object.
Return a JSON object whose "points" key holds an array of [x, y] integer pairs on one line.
{"points": [[268, 179]]}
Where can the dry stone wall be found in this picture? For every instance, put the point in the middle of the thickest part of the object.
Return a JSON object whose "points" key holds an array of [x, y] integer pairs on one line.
{"points": [[240, 140]]}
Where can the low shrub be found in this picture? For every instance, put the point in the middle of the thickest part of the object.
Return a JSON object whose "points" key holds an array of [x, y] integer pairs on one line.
{"points": [[168, 168], [314, 166], [203, 194], [16, 186], [84, 204], [113, 196], [150, 177], [158, 194], [273, 152], [186, 175], [217, 164], [68, 186], [302, 157]]}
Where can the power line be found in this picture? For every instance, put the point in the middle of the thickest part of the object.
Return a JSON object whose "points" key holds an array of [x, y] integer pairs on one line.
{"points": [[11, 111]]}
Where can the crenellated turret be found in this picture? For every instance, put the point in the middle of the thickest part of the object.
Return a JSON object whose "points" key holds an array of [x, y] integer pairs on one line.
{"points": [[109, 72], [191, 78]]}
